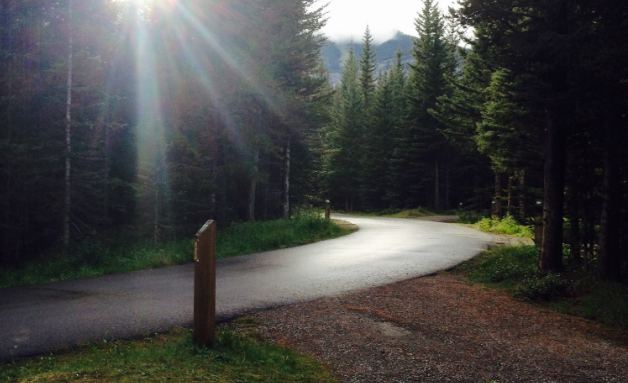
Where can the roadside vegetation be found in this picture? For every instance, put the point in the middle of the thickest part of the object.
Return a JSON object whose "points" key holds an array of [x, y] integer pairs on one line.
{"points": [[574, 292], [507, 225], [407, 213], [237, 357], [100, 257]]}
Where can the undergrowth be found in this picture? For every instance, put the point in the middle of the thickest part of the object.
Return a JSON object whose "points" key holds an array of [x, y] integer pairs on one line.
{"points": [[100, 257], [508, 225], [400, 213], [514, 269], [236, 357]]}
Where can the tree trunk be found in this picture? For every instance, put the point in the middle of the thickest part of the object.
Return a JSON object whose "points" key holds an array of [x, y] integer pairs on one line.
{"points": [[511, 180], [106, 175], [574, 225], [589, 229], [497, 202], [253, 187], [436, 189], [447, 189], [157, 214], [212, 196], [609, 261], [286, 201], [522, 195], [67, 205], [551, 259]]}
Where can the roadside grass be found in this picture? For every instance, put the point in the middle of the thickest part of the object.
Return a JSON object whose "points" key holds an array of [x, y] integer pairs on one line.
{"points": [[508, 225], [408, 213], [100, 257], [237, 357], [513, 269]]}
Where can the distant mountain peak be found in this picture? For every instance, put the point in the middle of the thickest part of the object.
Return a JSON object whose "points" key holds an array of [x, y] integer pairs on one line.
{"points": [[334, 55]]}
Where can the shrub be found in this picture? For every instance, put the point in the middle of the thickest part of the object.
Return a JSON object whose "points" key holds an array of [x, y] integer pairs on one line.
{"points": [[542, 288], [470, 217], [508, 225], [606, 302], [510, 264]]}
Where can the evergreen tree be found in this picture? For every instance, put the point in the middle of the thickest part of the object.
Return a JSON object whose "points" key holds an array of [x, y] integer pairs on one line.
{"points": [[425, 149], [367, 68], [344, 139]]}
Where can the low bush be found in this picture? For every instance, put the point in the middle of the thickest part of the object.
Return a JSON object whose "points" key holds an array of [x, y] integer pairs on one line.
{"points": [[545, 288], [469, 217], [514, 269], [504, 264], [508, 225], [604, 301]]}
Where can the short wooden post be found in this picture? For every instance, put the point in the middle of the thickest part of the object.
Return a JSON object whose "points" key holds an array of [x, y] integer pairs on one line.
{"points": [[205, 285], [327, 209]]}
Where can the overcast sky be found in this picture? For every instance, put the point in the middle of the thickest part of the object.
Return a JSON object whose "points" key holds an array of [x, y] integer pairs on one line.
{"points": [[348, 18]]}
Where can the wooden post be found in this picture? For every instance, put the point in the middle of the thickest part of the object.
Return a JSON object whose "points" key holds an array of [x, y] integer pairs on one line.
{"points": [[327, 209], [205, 285]]}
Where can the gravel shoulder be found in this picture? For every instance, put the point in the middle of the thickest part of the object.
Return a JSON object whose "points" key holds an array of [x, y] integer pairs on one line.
{"points": [[443, 329]]}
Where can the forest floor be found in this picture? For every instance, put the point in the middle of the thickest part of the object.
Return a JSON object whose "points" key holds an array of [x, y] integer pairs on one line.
{"points": [[443, 328]]}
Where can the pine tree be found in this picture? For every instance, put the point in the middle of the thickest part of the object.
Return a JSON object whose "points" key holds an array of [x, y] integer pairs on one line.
{"points": [[344, 140], [367, 68], [426, 149]]}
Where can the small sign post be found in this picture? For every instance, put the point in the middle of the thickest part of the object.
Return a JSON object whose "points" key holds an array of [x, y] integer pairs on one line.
{"points": [[205, 285], [327, 209]]}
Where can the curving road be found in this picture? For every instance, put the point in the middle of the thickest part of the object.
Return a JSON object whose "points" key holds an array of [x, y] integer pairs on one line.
{"points": [[39, 318]]}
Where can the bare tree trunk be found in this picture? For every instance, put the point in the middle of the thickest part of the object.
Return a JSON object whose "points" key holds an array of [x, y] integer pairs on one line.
{"points": [[497, 201], [436, 187], [509, 208], [574, 225], [522, 195], [556, 109], [286, 201], [68, 135], [554, 187], [157, 214], [253, 187], [447, 188], [106, 175], [609, 260], [212, 196], [589, 230], [6, 232]]}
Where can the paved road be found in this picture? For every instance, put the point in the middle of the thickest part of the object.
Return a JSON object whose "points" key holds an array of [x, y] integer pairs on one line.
{"points": [[40, 318]]}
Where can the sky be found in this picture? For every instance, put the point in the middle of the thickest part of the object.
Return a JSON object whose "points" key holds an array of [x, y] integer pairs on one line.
{"points": [[349, 18]]}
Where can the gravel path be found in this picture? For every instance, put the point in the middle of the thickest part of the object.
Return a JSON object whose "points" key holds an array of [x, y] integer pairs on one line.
{"points": [[442, 329]]}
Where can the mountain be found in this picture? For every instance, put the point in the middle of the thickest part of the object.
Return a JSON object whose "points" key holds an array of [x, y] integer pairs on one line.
{"points": [[335, 54]]}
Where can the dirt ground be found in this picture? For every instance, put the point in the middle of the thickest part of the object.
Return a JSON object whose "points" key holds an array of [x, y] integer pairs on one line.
{"points": [[443, 329]]}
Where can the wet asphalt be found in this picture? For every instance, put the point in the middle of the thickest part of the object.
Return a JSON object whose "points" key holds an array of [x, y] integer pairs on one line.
{"points": [[38, 319]]}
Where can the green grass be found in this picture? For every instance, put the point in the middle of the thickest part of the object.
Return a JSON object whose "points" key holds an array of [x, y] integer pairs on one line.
{"points": [[508, 225], [514, 269], [399, 213], [99, 257], [236, 357]]}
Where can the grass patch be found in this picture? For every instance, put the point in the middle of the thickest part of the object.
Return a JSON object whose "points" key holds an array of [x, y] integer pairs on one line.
{"points": [[253, 237], [399, 213], [513, 269], [99, 257], [508, 225], [236, 357]]}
